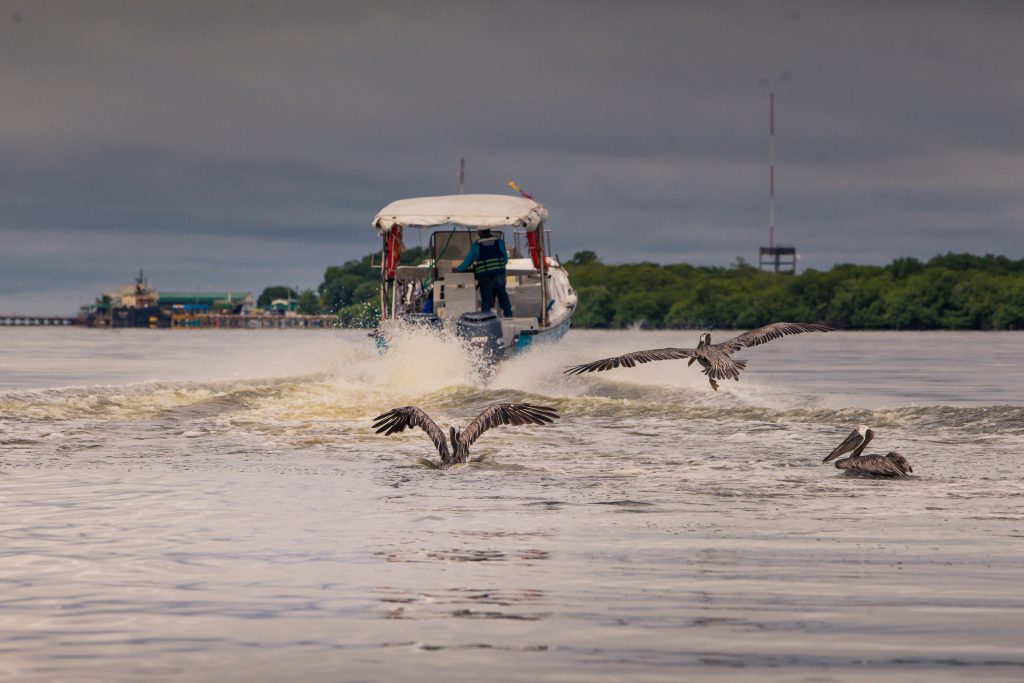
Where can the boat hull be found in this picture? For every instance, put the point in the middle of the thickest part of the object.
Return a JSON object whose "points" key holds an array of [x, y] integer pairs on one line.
{"points": [[528, 340], [490, 346]]}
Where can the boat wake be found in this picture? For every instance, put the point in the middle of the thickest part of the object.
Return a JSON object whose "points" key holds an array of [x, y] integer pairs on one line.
{"points": [[334, 401]]}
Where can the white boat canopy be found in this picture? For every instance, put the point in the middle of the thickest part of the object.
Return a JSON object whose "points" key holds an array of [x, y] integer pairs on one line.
{"points": [[462, 210]]}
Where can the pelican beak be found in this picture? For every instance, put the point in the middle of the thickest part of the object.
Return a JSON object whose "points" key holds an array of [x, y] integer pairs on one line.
{"points": [[851, 442]]}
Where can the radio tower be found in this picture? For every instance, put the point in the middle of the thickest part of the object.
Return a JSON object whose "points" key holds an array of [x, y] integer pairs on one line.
{"points": [[780, 258], [771, 171]]}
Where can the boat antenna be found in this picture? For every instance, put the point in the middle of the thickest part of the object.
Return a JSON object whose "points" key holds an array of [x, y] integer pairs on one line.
{"points": [[462, 175]]}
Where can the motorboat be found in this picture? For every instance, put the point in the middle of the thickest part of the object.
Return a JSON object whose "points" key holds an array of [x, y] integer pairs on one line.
{"points": [[432, 294]]}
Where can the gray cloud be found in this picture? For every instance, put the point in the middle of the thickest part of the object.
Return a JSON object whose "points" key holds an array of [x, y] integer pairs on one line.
{"points": [[238, 145]]}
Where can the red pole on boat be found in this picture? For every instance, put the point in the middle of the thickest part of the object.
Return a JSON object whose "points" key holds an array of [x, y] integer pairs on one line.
{"points": [[538, 256]]}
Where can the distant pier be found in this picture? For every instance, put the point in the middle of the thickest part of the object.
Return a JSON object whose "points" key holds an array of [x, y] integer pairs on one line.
{"points": [[35, 321], [189, 321], [254, 322]]}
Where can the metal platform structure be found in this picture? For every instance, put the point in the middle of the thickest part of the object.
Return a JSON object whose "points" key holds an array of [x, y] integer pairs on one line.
{"points": [[780, 258]]}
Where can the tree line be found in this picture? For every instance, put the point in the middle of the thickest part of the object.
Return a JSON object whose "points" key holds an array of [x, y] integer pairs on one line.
{"points": [[950, 291]]}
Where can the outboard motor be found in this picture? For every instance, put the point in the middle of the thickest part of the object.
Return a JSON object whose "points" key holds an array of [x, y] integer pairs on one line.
{"points": [[427, 320], [483, 331]]}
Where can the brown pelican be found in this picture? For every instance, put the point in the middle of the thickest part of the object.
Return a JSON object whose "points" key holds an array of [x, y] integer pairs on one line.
{"points": [[892, 464], [715, 359], [397, 419]]}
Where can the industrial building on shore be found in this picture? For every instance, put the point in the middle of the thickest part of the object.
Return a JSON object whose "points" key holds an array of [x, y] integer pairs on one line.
{"points": [[140, 305]]}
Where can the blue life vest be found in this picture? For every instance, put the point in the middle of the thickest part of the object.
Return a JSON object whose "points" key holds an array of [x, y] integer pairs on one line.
{"points": [[491, 258]]}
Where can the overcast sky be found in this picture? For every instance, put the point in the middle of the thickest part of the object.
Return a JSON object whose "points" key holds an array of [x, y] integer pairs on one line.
{"points": [[235, 145]]}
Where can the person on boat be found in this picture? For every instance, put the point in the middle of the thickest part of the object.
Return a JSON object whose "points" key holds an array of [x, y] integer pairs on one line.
{"points": [[488, 257]]}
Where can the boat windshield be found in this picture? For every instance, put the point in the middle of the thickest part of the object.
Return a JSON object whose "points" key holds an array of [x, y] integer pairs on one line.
{"points": [[453, 245]]}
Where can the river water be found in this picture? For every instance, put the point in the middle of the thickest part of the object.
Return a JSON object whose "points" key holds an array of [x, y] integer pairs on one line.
{"points": [[213, 505]]}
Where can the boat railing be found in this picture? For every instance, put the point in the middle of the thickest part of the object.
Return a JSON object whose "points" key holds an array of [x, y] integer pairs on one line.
{"points": [[519, 242]]}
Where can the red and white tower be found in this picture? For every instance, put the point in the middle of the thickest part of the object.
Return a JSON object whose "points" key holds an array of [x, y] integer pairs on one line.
{"points": [[777, 258]]}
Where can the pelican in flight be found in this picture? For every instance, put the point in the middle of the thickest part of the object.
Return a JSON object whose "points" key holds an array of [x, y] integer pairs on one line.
{"points": [[715, 359], [892, 464], [397, 419]]}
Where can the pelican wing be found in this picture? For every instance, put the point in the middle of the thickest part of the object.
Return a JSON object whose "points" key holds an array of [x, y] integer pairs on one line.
{"points": [[899, 462], [397, 419], [506, 414], [763, 335], [631, 359], [883, 465]]}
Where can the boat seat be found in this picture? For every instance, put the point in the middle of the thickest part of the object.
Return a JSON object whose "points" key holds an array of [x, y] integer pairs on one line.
{"points": [[455, 294], [459, 279]]}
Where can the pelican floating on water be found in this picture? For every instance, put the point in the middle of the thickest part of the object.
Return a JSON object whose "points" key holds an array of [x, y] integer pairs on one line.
{"points": [[892, 464], [397, 419], [715, 359]]}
